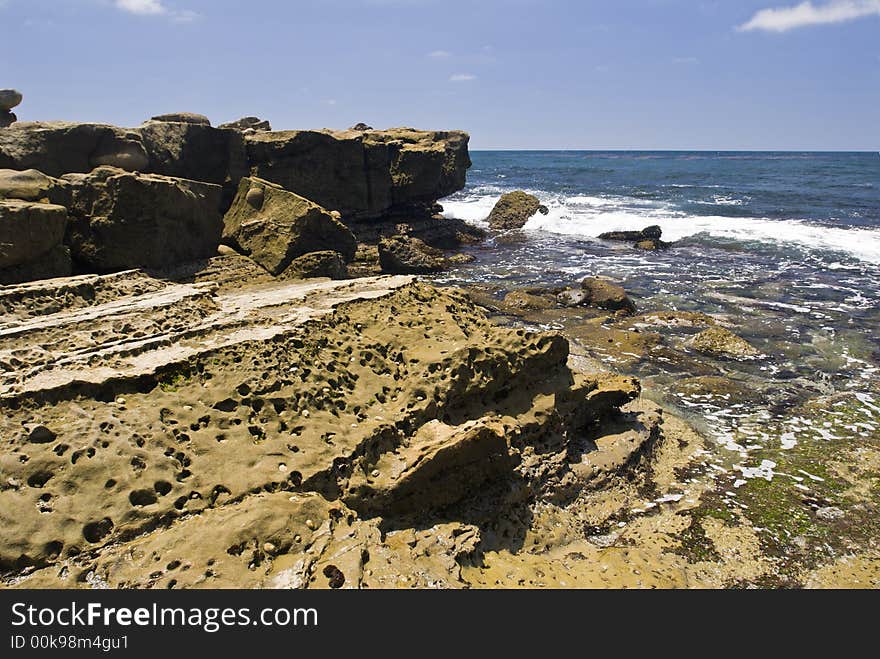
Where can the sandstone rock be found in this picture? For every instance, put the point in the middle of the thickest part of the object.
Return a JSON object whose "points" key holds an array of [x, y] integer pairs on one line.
{"points": [[57, 148], [317, 264], [721, 342], [514, 209], [27, 185], [54, 263], [183, 118], [363, 175], [441, 465], [29, 230], [9, 98], [274, 226], [7, 118], [607, 295], [249, 123], [196, 151], [409, 256], [523, 299], [121, 220], [361, 127]]}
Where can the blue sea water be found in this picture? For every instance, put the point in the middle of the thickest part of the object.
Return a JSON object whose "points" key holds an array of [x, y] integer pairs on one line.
{"points": [[784, 248]]}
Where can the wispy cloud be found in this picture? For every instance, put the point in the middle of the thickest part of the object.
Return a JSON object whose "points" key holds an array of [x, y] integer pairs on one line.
{"points": [[440, 54], [783, 19], [155, 8], [462, 77]]}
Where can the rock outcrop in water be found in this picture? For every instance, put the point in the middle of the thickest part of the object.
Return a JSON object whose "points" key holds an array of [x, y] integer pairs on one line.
{"points": [[514, 209], [647, 239]]}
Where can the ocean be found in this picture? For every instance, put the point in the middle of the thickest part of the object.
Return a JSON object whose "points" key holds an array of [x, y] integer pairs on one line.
{"points": [[782, 247]]}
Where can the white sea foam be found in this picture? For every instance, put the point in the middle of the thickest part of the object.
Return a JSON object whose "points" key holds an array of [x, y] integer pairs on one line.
{"points": [[588, 216]]}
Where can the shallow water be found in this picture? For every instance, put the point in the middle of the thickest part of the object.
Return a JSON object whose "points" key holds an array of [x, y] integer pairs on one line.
{"points": [[784, 247]]}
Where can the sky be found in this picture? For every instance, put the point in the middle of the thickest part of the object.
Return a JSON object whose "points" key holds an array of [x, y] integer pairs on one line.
{"points": [[515, 74]]}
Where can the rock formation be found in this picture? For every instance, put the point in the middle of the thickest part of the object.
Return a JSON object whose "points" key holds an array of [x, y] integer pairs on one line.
{"points": [[57, 148], [607, 295], [720, 342], [122, 220], [30, 241], [249, 124], [9, 98], [326, 263], [514, 209], [274, 226], [362, 175], [279, 425], [647, 239], [410, 256]]}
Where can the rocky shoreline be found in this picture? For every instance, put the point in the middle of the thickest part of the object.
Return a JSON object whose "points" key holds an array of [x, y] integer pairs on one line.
{"points": [[218, 369]]}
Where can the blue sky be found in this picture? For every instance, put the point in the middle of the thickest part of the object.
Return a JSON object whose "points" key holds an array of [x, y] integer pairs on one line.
{"points": [[628, 74]]}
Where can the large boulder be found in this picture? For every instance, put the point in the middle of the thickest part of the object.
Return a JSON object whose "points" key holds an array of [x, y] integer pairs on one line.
{"points": [[121, 220], [9, 98], [274, 226], [607, 295], [27, 185], [28, 230], [326, 263], [195, 151], [30, 241], [405, 255], [54, 263], [364, 175], [514, 209], [57, 148]]}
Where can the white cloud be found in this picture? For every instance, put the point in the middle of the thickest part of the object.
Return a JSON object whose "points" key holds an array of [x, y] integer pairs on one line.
{"points": [[439, 54], [143, 7], [783, 19], [155, 8], [462, 77]]}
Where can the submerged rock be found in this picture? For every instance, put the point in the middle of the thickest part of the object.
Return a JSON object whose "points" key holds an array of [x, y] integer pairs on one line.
{"points": [[721, 342], [274, 226], [514, 209], [607, 295], [121, 220]]}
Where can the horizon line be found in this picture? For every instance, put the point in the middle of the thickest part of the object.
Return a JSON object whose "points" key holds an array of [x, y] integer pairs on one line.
{"points": [[703, 150]]}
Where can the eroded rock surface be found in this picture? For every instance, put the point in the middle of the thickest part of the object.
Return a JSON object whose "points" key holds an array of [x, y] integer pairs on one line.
{"points": [[274, 226], [319, 434], [514, 209]]}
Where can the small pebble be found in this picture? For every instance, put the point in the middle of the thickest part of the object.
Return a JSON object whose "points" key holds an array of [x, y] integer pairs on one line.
{"points": [[375, 473], [311, 524]]}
